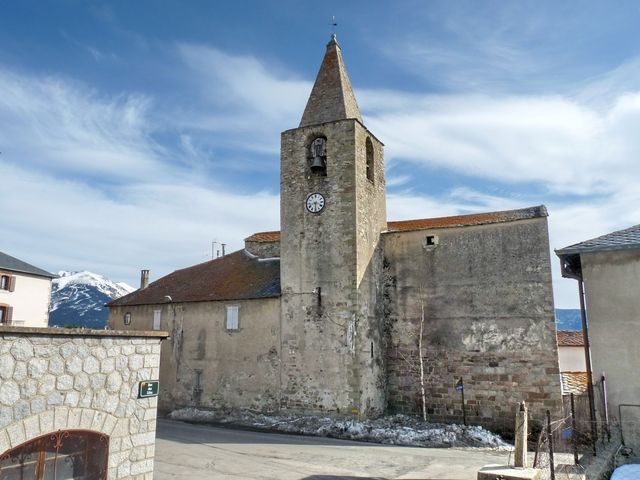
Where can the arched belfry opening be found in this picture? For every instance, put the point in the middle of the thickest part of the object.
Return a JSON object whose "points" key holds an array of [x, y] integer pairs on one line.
{"points": [[65, 454], [369, 159], [317, 155]]}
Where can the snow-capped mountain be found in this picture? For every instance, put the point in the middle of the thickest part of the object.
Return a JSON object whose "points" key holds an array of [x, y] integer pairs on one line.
{"points": [[78, 299]]}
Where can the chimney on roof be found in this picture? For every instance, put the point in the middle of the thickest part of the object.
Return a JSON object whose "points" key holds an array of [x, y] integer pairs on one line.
{"points": [[144, 279]]}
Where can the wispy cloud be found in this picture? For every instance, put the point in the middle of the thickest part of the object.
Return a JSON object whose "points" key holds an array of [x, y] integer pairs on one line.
{"points": [[97, 54], [116, 180], [62, 127], [90, 178], [161, 226], [244, 82], [245, 96], [518, 47], [557, 142]]}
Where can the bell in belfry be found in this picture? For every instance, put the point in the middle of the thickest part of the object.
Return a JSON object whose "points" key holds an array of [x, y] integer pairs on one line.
{"points": [[318, 164], [318, 154]]}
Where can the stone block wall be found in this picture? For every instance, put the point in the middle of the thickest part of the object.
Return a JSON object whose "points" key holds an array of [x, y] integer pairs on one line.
{"points": [[329, 320], [58, 379], [263, 249], [489, 318], [319, 251]]}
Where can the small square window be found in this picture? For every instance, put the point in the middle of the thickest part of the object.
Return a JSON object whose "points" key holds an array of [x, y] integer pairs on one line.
{"points": [[232, 317], [430, 242], [127, 318]]}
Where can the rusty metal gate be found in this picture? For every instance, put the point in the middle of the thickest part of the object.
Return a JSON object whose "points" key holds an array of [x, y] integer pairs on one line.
{"points": [[62, 455]]}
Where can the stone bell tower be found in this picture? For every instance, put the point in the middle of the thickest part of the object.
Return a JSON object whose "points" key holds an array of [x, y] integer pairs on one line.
{"points": [[332, 211]]}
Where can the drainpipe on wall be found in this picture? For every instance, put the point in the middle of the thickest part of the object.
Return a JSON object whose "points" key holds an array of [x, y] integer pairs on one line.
{"points": [[587, 358]]}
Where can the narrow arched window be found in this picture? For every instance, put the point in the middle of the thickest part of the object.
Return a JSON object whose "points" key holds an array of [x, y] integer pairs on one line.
{"points": [[369, 155]]}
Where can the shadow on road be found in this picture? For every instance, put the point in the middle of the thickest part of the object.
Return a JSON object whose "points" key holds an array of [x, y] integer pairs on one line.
{"points": [[338, 477]]}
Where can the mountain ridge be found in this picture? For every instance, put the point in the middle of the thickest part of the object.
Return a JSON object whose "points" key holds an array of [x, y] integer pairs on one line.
{"points": [[78, 299]]}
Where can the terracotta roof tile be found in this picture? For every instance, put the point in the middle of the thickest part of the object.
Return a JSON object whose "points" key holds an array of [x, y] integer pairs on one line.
{"points": [[570, 338], [237, 276], [574, 382], [468, 220], [264, 237], [441, 222]]}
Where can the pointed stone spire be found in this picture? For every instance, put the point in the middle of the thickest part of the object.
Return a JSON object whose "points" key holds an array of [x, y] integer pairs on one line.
{"points": [[332, 96]]}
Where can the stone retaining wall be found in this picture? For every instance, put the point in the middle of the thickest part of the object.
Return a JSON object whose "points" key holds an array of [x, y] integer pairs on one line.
{"points": [[56, 379]]}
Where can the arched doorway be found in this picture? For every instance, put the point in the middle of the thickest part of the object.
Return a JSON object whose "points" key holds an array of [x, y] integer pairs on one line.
{"points": [[61, 455]]}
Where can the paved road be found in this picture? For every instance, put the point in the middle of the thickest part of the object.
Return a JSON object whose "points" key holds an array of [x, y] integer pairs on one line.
{"points": [[196, 452]]}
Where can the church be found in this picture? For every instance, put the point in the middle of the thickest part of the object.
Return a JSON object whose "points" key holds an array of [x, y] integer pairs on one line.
{"points": [[343, 312]]}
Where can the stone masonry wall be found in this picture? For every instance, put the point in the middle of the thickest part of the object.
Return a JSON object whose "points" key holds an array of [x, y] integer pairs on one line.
{"points": [[371, 220], [263, 249], [486, 293], [57, 379], [318, 251], [205, 365]]}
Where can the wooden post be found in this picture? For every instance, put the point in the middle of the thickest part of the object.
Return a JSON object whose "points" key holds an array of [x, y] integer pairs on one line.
{"points": [[520, 456], [552, 465], [605, 407], [460, 388], [574, 433]]}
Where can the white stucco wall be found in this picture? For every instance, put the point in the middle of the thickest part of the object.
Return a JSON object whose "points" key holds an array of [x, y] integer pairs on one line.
{"points": [[612, 287], [571, 359], [30, 300]]}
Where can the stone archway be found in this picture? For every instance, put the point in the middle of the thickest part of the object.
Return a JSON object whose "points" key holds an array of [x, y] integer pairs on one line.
{"points": [[61, 419], [64, 454]]}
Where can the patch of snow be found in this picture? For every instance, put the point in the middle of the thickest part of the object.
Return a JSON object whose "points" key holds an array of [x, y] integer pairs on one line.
{"points": [[126, 287], [394, 430]]}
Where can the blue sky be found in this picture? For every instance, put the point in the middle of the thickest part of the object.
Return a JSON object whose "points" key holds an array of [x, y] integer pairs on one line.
{"points": [[135, 133]]}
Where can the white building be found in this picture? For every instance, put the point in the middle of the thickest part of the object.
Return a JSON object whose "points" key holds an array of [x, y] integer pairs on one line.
{"points": [[25, 292], [607, 269], [573, 367]]}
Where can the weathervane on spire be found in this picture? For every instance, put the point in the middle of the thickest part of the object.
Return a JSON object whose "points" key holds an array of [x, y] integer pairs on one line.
{"points": [[333, 24]]}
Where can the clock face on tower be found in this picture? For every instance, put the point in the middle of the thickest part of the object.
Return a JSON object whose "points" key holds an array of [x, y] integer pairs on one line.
{"points": [[315, 203]]}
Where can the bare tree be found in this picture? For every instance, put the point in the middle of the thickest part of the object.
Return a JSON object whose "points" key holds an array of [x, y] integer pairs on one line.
{"points": [[414, 359], [421, 357]]}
